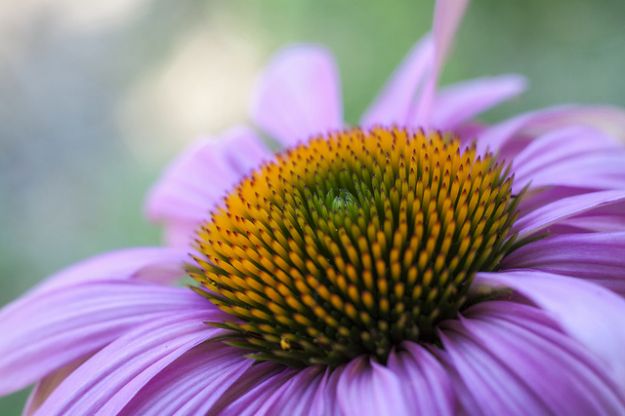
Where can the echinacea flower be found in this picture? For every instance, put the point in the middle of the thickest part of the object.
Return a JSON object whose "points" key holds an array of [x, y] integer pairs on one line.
{"points": [[420, 263]]}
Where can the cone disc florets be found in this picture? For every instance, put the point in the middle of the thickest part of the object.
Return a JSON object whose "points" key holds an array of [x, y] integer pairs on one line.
{"points": [[353, 242]]}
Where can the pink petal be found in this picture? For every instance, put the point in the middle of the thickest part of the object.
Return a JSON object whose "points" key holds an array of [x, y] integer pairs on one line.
{"points": [[47, 385], [447, 17], [561, 144], [408, 97], [589, 313], [52, 328], [541, 197], [311, 391], [608, 218], [325, 400], [600, 171], [368, 388], [191, 384], [594, 256], [106, 382], [153, 264], [424, 380], [254, 391], [459, 103], [565, 208], [469, 131], [297, 395], [507, 358], [575, 156], [608, 119], [397, 99], [299, 95], [197, 181]]}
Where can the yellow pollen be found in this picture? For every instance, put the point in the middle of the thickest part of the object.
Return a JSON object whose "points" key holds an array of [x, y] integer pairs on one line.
{"points": [[354, 242]]}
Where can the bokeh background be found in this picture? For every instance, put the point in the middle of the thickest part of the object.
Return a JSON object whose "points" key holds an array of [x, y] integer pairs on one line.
{"points": [[96, 97]]}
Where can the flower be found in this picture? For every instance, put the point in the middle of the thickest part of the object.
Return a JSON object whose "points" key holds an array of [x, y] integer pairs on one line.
{"points": [[419, 263]]}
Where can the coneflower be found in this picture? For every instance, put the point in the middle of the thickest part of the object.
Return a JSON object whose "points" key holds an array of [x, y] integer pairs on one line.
{"points": [[420, 263]]}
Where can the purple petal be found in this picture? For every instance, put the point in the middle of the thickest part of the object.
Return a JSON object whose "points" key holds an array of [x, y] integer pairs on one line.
{"points": [[593, 171], [576, 156], [608, 218], [153, 264], [587, 312], [49, 329], [447, 17], [396, 101], [408, 97], [299, 95], [106, 382], [325, 400], [305, 392], [197, 181], [565, 208], [423, 379], [311, 391], [47, 385], [608, 119], [507, 358], [459, 103], [368, 388], [536, 199], [594, 256], [254, 391], [192, 384]]}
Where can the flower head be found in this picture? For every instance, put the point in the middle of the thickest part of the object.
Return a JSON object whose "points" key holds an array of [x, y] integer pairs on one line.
{"points": [[418, 263], [349, 244]]}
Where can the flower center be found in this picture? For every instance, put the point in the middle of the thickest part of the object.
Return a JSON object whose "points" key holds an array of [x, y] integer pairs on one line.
{"points": [[352, 243]]}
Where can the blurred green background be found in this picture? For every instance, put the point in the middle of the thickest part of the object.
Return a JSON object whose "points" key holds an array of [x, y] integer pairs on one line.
{"points": [[97, 97]]}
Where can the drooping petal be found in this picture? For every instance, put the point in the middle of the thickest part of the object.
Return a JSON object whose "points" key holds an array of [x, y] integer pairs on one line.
{"points": [[192, 384], [609, 119], [459, 103], [594, 256], [587, 312], [576, 156], [368, 388], [52, 328], [299, 95], [565, 208], [424, 380], [196, 182], [509, 358], [106, 382], [397, 99]]}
